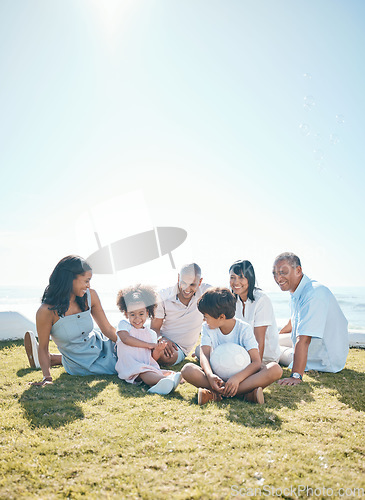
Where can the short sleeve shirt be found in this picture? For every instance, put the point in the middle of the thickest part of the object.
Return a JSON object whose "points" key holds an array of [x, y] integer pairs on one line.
{"points": [[242, 334], [261, 313], [182, 324], [315, 313], [124, 325]]}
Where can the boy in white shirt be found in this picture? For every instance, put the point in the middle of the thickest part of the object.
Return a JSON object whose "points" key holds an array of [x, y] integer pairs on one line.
{"points": [[218, 305]]}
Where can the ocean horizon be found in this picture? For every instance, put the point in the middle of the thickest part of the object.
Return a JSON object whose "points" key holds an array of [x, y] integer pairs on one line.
{"points": [[26, 300]]}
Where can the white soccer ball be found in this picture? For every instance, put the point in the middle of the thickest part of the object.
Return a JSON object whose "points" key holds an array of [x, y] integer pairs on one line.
{"points": [[228, 359]]}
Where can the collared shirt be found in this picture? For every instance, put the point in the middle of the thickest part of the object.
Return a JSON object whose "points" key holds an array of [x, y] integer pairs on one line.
{"points": [[316, 313], [182, 324]]}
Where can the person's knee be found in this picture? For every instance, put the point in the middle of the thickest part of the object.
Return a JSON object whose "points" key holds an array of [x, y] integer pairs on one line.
{"points": [[285, 340], [278, 370], [286, 355], [187, 370], [275, 370]]}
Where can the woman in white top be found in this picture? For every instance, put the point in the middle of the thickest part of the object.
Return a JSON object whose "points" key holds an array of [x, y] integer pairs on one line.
{"points": [[254, 307]]}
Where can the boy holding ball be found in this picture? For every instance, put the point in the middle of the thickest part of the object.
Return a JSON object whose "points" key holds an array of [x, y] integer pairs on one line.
{"points": [[218, 305]]}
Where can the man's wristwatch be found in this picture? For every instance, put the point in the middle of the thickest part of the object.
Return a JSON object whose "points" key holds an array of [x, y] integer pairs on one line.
{"points": [[296, 375]]}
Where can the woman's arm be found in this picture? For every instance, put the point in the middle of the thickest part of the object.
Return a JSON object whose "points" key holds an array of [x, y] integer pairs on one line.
{"points": [[98, 314], [44, 322], [133, 342], [263, 317], [260, 332], [287, 328]]}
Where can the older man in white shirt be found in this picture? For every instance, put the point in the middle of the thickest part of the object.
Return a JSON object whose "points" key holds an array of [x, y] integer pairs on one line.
{"points": [[318, 327], [177, 317]]}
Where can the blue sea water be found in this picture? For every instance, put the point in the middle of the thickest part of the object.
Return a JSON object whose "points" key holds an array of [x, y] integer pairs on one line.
{"points": [[26, 301], [350, 299]]}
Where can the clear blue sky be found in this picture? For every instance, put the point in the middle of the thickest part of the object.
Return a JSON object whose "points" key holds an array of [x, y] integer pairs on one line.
{"points": [[199, 106]]}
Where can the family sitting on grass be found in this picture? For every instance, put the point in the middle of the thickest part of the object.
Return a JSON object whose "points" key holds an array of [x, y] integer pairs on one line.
{"points": [[242, 316]]}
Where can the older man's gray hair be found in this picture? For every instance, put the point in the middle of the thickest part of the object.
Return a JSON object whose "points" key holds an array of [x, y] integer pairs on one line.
{"points": [[292, 259]]}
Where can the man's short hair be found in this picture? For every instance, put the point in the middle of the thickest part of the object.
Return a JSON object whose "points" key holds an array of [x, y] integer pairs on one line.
{"points": [[217, 301], [292, 259], [191, 269]]}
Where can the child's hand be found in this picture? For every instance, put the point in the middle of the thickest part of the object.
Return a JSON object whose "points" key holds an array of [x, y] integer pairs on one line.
{"points": [[158, 349], [151, 345], [216, 383], [231, 386]]}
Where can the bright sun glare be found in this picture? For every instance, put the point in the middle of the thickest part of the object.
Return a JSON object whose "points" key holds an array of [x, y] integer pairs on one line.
{"points": [[111, 14]]}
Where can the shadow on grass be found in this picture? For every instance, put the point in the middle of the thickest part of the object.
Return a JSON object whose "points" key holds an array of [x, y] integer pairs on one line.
{"points": [[141, 391], [349, 384], [57, 404], [264, 416], [260, 416], [24, 371]]}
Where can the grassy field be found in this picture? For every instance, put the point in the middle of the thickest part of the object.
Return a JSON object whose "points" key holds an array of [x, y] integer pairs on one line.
{"points": [[98, 437]]}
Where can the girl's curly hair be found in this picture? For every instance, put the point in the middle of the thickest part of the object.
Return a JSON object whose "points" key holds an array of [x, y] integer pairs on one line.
{"points": [[138, 293]]}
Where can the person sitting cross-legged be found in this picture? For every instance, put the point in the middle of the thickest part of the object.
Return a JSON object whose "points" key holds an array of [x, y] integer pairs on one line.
{"points": [[218, 306]]}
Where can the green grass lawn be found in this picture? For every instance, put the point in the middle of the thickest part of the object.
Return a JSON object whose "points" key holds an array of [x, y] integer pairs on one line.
{"points": [[99, 437]]}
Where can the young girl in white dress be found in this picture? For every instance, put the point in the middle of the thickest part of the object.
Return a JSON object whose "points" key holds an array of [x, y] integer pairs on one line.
{"points": [[138, 347]]}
